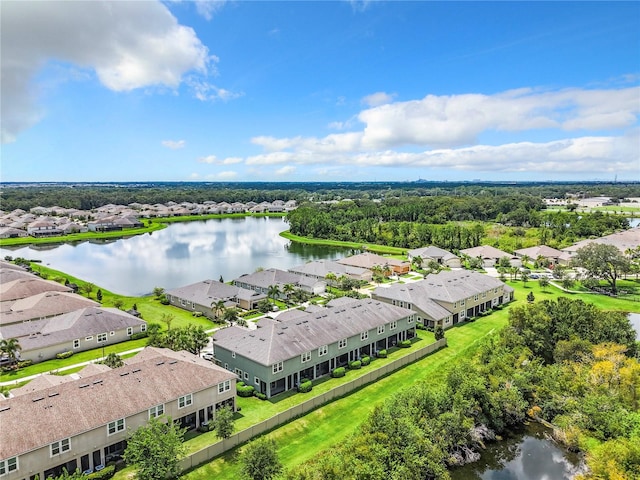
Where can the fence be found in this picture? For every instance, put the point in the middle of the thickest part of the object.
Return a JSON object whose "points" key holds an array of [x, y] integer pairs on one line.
{"points": [[222, 446]]}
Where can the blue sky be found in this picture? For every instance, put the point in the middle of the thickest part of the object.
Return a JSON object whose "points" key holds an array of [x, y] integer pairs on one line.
{"points": [[319, 91]]}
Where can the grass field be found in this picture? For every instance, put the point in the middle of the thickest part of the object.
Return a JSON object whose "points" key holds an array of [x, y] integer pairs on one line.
{"points": [[382, 249]]}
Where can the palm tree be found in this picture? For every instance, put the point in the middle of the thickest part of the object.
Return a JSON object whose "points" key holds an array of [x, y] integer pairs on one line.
{"points": [[218, 308], [10, 347], [331, 278], [524, 259], [417, 261], [288, 289], [273, 292], [230, 315], [378, 273]]}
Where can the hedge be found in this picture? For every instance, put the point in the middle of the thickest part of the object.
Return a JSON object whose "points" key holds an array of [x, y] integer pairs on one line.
{"points": [[365, 361], [305, 387], [261, 396], [64, 355], [355, 365], [405, 344], [104, 474], [244, 390], [139, 335], [382, 354], [338, 372]]}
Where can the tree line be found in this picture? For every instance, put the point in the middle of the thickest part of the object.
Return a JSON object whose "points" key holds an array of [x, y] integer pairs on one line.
{"points": [[563, 361]]}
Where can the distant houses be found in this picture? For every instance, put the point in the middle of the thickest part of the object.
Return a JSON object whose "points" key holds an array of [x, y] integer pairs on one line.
{"points": [[262, 281], [204, 296], [490, 255], [370, 261], [319, 269], [436, 254]]}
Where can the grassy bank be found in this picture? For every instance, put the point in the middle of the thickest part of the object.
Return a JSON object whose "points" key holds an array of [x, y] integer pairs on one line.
{"points": [[370, 247]]}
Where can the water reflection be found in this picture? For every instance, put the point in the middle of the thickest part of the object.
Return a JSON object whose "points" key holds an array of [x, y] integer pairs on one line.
{"points": [[526, 456], [180, 254]]}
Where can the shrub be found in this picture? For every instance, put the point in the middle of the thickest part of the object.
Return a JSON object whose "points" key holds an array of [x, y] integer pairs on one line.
{"points": [[365, 361], [64, 355], [244, 390], [355, 365], [305, 387], [261, 396], [25, 363], [137, 336], [405, 344], [338, 372], [196, 314], [382, 354], [104, 474]]}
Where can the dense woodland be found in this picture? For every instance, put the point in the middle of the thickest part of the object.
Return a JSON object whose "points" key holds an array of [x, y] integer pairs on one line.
{"points": [[86, 196], [451, 223], [563, 361]]}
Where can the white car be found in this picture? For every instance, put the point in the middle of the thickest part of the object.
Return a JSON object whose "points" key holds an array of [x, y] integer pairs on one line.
{"points": [[208, 356]]}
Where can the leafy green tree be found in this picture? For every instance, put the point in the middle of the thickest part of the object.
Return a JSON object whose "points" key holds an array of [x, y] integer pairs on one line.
{"points": [[87, 288], [438, 332], [10, 347], [99, 295], [156, 449], [230, 315], [223, 422], [218, 309], [525, 274], [602, 261], [264, 305], [113, 360], [544, 283], [167, 319], [154, 332], [530, 297], [259, 460], [273, 292], [330, 278], [118, 303], [158, 292]]}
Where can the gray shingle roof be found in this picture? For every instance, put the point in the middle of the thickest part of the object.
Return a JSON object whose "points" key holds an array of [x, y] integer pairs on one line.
{"points": [[26, 287], [320, 268], [42, 305], [154, 376], [210, 291], [275, 341]]}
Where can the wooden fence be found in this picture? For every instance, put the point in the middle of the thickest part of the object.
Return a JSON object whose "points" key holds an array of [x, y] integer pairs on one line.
{"points": [[218, 448]]}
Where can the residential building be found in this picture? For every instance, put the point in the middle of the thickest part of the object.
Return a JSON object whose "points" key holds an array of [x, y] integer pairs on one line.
{"points": [[298, 344], [550, 256], [82, 421], [436, 254], [203, 297], [319, 269], [262, 280], [371, 260], [76, 331], [42, 305], [623, 241], [490, 255], [27, 286], [446, 298]]}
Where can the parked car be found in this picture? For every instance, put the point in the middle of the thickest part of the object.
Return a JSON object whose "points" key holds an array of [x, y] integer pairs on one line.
{"points": [[208, 356]]}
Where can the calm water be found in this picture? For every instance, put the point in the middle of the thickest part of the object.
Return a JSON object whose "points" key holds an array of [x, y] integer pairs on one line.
{"points": [[525, 456], [634, 318], [180, 254]]}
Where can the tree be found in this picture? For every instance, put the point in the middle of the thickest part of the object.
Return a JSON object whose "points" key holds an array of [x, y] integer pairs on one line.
{"points": [[221, 280], [113, 360], [438, 332], [264, 305], [10, 348], [167, 319], [417, 262], [288, 289], [158, 292], [260, 460], [223, 422], [525, 259], [118, 303], [99, 295], [331, 278], [218, 309], [87, 288], [230, 315], [544, 283], [273, 292], [525, 274], [602, 261], [530, 297], [156, 449]]}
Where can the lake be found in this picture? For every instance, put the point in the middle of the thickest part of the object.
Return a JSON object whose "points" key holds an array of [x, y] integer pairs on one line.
{"points": [[181, 254], [523, 456], [634, 318]]}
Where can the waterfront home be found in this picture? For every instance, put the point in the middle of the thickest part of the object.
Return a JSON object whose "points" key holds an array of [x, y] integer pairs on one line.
{"points": [[448, 297], [299, 345], [436, 254], [204, 296], [261, 282], [83, 421], [371, 261], [490, 255], [319, 269], [549, 256]]}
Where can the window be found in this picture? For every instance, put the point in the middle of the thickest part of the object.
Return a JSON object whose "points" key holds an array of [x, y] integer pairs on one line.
{"points": [[323, 350], [226, 366], [182, 302], [185, 401], [238, 372], [277, 367], [8, 465], [224, 386], [455, 304], [410, 319], [89, 338], [115, 427], [364, 336], [256, 380], [342, 343], [112, 333], [156, 411], [76, 343], [305, 357], [462, 303], [380, 329], [143, 327], [129, 331], [102, 337], [393, 325], [246, 375], [462, 314], [59, 447], [475, 297], [233, 354], [484, 294]]}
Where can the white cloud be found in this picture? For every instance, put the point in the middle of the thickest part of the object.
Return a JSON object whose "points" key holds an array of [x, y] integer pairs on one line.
{"points": [[128, 45], [207, 8], [206, 91], [378, 98], [173, 144], [212, 159], [288, 170]]}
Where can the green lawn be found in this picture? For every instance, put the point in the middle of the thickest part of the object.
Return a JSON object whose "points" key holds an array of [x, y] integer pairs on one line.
{"points": [[382, 249]]}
